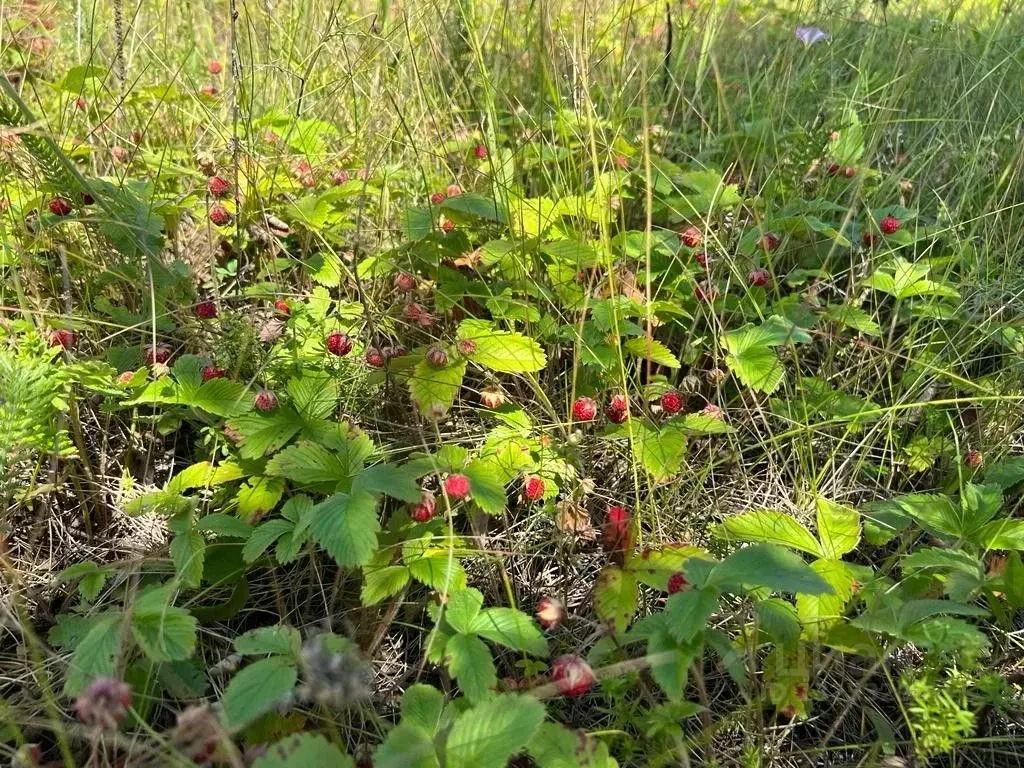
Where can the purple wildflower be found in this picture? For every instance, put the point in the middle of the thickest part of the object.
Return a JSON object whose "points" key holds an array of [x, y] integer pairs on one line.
{"points": [[811, 35]]}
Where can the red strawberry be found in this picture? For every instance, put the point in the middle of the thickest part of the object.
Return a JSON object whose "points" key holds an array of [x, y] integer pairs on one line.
{"points": [[265, 401], [81, 104], [550, 612], [424, 510], [339, 177], [454, 190], [59, 206], [571, 675], [617, 410], [691, 237], [456, 486], [282, 306], [615, 535], [769, 241], [868, 239], [584, 409], [833, 169], [436, 356], [889, 224], [126, 377], [466, 347], [218, 186], [206, 310], [405, 282], [209, 90], [758, 277], [701, 257], [161, 353], [973, 459], [87, 199], [220, 216], [480, 151], [850, 171], [63, 338], [395, 351], [677, 582], [447, 225], [705, 291], [534, 488], [412, 311], [437, 198], [214, 67], [671, 402], [213, 372], [374, 357], [622, 161], [339, 344]]}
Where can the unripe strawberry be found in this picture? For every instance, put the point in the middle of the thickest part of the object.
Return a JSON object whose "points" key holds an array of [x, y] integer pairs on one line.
{"points": [[214, 67], [212, 372], [466, 347], [437, 356], [833, 169], [126, 377], [206, 310], [209, 90], [63, 338], [405, 282], [265, 401], [769, 241], [339, 177], [705, 291], [120, 154], [571, 675], [374, 357], [677, 582], [81, 104], [850, 171], [394, 351], [412, 311], [480, 151], [453, 190], [424, 511], [973, 459], [867, 239], [59, 206], [220, 216], [701, 257], [104, 703], [158, 354], [622, 161], [889, 224], [714, 411], [447, 225], [550, 612], [218, 186], [584, 409], [671, 402], [87, 199], [282, 306], [456, 486], [437, 198], [691, 237], [425, 320], [339, 344], [758, 277], [534, 488], [492, 397]]}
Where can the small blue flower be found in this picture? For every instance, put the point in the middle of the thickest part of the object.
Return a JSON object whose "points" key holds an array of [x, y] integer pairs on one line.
{"points": [[811, 35]]}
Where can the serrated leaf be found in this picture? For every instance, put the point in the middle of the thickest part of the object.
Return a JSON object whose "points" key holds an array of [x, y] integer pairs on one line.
{"points": [[303, 750], [838, 528], [818, 613], [226, 526], [277, 639], [397, 482], [434, 389], [486, 486], [653, 350], [770, 527], [188, 550], [751, 357], [382, 583], [257, 689], [221, 397], [94, 654], [705, 424], [686, 613], [502, 351], [660, 450], [258, 497], [853, 317], [406, 746], [779, 620], [470, 663], [163, 631], [510, 628], [262, 537], [308, 463], [471, 205], [768, 565], [670, 662], [263, 433], [314, 394], [615, 597], [347, 527], [438, 571], [487, 735], [462, 608]]}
